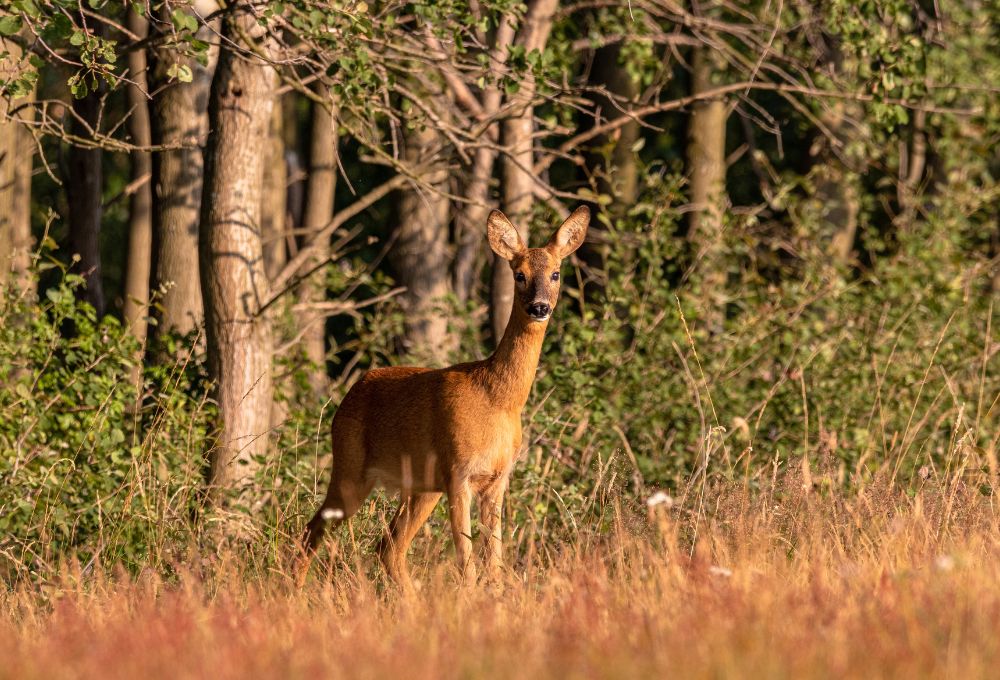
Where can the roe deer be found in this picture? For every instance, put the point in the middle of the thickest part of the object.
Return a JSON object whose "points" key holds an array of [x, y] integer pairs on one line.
{"points": [[453, 430]]}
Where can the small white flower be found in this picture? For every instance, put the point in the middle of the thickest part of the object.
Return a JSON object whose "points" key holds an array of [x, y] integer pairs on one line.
{"points": [[330, 514], [660, 498], [944, 563], [720, 571]]}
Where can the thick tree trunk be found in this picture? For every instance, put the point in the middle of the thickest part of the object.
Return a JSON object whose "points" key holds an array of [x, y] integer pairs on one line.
{"points": [[179, 115], [420, 256], [518, 162], [140, 229], [706, 158], [321, 185], [16, 156], [232, 262], [84, 183], [274, 205], [275, 225]]}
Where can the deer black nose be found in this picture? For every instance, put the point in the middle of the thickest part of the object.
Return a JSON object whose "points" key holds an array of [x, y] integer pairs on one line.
{"points": [[539, 310]]}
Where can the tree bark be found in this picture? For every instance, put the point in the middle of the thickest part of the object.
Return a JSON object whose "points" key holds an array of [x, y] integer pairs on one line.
{"points": [[231, 253], [16, 158], [706, 158], [321, 185], [274, 202], [21, 239], [84, 184], [140, 228], [518, 161], [420, 256], [179, 115], [471, 218]]}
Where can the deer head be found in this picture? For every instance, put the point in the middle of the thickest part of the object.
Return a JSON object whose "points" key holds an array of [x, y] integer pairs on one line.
{"points": [[536, 270]]}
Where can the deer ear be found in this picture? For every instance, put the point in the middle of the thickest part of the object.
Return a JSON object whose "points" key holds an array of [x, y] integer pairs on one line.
{"points": [[503, 237], [570, 234]]}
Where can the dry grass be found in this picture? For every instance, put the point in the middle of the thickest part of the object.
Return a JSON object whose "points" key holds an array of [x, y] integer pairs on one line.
{"points": [[778, 583]]}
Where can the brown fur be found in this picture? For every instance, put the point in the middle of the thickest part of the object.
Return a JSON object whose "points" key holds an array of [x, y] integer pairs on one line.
{"points": [[454, 430]]}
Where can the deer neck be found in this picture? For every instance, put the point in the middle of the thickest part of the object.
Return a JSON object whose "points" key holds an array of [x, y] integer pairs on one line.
{"points": [[510, 371]]}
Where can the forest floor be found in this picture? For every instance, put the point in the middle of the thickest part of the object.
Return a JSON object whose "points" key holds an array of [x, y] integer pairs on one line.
{"points": [[793, 582]]}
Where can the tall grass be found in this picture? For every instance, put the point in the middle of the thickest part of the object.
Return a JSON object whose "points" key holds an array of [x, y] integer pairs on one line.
{"points": [[791, 582]]}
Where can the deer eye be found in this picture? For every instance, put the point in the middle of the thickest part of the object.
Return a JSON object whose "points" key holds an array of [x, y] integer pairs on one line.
{"points": [[555, 276], [520, 277]]}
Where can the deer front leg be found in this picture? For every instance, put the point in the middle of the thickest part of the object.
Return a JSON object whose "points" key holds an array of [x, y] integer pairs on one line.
{"points": [[459, 511], [490, 516]]}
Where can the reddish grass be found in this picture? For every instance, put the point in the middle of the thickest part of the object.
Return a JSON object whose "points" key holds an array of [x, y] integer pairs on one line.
{"points": [[876, 585]]}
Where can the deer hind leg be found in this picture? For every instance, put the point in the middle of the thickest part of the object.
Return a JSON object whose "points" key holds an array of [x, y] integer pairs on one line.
{"points": [[348, 489], [338, 507], [414, 509]]}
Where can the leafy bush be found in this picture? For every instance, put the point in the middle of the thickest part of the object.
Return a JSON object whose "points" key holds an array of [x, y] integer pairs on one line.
{"points": [[894, 364]]}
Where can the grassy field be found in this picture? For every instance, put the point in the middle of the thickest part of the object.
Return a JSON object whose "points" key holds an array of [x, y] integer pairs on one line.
{"points": [[789, 581], [833, 475]]}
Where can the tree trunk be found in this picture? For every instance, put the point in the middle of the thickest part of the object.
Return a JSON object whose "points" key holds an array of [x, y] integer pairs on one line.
{"points": [[518, 197], [321, 185], [837, 188], [17, 150], [912, 166], [274, 202], [470, 218], [179, 115], [613, 162], [518, 162], [420, 256], [84, 183], [140, 229], [835, 151], [706, 158], [621, 181], [21, 240], [232, 262]]}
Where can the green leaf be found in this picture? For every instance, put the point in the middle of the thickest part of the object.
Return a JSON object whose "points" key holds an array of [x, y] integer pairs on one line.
{"points": [[10, 24], [181, 72], [29, 7]]}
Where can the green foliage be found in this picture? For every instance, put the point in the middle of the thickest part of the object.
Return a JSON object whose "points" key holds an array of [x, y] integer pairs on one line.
{"points": [[891, 366], [84, 472]]}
